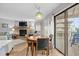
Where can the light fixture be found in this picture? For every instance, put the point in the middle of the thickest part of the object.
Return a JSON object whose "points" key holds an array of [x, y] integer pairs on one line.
{"points": [[39, 15], [13, 29]]}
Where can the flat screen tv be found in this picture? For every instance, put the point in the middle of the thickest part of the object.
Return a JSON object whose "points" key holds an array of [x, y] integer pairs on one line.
{"points": [[22, 23]]}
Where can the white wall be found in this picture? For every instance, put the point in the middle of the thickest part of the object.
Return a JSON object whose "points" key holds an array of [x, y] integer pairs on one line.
{"points": [[10, 24], [47, 26]]}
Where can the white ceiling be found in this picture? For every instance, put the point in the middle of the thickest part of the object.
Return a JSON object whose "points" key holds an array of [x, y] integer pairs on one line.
{"points": [[23, 11]]}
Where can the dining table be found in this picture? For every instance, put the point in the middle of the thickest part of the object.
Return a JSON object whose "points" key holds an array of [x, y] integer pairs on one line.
{"points": [[33, 39]]}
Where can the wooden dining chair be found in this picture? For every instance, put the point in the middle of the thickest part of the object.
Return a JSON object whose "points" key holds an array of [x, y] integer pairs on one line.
{"points": [[29, 44], [42, 45]]}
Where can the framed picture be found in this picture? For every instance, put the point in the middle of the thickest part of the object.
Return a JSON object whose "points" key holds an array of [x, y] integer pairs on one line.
{"points": [[4, 25]]}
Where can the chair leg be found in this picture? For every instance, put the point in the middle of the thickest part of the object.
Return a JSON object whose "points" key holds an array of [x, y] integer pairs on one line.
{"points": [[27, 50], [34, 50], [47, 52], [43, 53]]}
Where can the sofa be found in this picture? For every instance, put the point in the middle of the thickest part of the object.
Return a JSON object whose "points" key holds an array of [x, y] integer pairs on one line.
{"points": [[7, 45]]}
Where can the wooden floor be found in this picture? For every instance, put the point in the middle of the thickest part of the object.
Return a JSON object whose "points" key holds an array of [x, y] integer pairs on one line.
{"points": [[20, 50]]}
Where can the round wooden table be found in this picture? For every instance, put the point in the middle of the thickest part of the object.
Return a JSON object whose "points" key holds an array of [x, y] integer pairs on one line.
{"points": [[33, 39]]}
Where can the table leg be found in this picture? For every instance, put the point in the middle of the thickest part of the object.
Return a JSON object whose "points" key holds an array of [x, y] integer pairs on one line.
{"points": [[32, 49]]}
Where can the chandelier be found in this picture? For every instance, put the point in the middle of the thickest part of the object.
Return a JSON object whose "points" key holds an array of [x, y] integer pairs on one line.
{"points": [[39, 15]]}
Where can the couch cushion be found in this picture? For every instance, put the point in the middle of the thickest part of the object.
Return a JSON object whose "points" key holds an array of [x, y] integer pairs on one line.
{"points": [[3, 37]]}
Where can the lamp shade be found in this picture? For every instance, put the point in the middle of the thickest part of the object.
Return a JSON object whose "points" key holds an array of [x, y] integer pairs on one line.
{"points": [[39, 15]]}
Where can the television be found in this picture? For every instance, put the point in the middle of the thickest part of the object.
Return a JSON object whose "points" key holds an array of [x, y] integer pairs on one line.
{"points": [[22, 23]]}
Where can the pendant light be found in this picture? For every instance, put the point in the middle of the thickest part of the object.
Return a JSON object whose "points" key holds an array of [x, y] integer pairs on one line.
{"points": [[39, 15]]}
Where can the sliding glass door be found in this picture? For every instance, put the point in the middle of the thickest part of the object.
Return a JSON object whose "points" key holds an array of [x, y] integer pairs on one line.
{"points": [[60, 32], [66, 32], [73, 31]]}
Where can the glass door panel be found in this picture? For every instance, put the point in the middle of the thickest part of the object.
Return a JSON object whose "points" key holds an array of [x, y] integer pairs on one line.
{"points": [[73, 31], [60, 32]]}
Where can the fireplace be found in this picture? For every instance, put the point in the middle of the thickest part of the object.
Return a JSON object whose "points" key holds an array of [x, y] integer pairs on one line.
{"points": [[22, 32]]}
